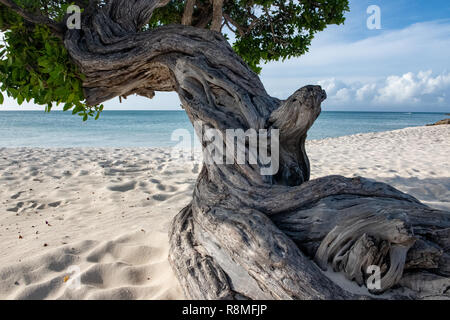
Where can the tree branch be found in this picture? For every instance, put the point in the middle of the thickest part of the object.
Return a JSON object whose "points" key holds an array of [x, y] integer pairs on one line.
{"points": [[238, 27], [217, 15], [133, 14], [58, 29], [188, 13], [205, 15]]}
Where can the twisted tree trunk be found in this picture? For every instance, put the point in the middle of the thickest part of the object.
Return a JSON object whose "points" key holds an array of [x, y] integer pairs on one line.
{"points": [[249, 235]]}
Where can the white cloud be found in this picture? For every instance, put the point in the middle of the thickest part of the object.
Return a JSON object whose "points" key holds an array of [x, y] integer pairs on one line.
{"points": [[365, 92], [399, 89], [409, 89], [382, 70]]}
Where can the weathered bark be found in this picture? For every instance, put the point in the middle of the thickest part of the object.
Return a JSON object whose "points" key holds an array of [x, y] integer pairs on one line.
{"points": [[246, 235], [188, 13], [216, 23]]}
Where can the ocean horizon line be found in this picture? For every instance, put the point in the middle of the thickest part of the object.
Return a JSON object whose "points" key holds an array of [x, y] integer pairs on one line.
{"points": [[168, 110]]}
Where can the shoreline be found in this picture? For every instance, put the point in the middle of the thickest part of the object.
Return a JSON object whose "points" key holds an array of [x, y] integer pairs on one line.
{"points": [[165, 148], [107, 210], [155, 128]]}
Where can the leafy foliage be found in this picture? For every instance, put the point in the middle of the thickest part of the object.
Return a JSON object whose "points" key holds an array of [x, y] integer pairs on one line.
{"points": [[273, 30], [169, 14], [265, 30], [35, 66]]}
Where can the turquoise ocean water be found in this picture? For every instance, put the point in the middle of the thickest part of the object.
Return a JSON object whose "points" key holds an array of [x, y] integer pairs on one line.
{"points": [[154, 128]]}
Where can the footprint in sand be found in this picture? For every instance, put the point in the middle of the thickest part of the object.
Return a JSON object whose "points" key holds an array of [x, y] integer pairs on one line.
{"points": [[18, 206], [54, 204], [123, 187], [83, 173], [17, 195], [32, 204], [161, 197], [161, 187], [142, 184]]}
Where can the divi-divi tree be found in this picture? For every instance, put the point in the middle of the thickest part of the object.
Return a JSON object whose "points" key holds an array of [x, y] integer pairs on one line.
{"points": [[247, 233]]}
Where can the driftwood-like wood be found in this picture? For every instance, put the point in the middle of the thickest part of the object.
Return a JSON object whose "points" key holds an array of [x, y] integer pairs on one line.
{"points": [[246, 235]]}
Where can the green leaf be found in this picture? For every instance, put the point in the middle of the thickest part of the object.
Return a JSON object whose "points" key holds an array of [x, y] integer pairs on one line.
{"points": [[20, 99], [67, 106]]}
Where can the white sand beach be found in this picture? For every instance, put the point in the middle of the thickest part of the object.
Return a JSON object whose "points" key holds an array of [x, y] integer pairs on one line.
{"points": [[107, 211]]}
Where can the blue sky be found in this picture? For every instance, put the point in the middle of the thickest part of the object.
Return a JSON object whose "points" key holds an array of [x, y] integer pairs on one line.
{"points": [[404, 66]]}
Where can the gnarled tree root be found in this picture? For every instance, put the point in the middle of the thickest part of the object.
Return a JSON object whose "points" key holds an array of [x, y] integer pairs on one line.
{"points": [[220, 251]]}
